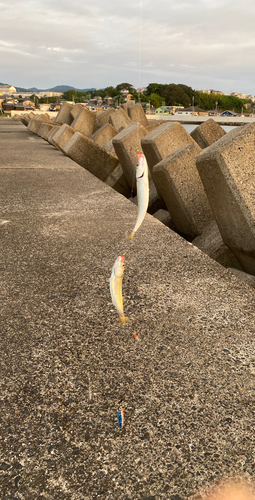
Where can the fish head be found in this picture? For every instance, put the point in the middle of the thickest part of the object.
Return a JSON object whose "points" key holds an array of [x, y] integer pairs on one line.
{"points": [[141, 166], [120, 265], [122, 258]]}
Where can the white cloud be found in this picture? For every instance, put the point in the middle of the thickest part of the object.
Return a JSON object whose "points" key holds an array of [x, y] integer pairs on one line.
{"points": [[45, 43]]}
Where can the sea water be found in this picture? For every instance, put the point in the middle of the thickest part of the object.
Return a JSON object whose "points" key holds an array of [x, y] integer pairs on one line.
{"points": [[190, 128]]}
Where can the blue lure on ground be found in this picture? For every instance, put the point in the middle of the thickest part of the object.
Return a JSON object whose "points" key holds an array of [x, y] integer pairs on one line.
{"points": [[121, 418]]}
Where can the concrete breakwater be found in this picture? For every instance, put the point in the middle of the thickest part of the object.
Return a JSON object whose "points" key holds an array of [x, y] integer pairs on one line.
{"points": [[187, 387], [234, 121], [184, 169]]}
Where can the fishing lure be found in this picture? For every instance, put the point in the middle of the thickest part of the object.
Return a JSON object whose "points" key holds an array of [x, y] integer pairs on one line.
{"points": [[116, 287], [136, 337], [121, 417], [142, 186]]}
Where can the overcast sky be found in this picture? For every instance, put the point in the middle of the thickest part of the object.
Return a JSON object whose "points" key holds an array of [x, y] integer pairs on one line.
{"points": [[203, 43]]}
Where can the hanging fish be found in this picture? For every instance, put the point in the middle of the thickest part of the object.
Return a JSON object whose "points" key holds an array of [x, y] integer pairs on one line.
{"points": [[121, 417], [116, 287], [142, 186]]}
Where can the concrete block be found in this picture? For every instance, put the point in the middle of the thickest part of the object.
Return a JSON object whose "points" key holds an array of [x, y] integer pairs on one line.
{"points": [[227, 172], [47, 129], [118, 182], [74, 112], [207, 133], [62, 136], [84, 122], [178, 182], [136, 113], [163, 216], [153, 124], [64, 115], [211, 243], [156, 202], [35, 123], [163, 141], [110, 147], [126, 105], [104, 135], [90, 156], [25, 119], [103, 118], [51, 134], [30, 123], [126, 144], [44, 129], [119, 119]]}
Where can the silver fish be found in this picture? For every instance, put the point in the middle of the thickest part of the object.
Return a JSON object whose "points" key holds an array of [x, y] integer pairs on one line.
{"points": [[142, 185]]}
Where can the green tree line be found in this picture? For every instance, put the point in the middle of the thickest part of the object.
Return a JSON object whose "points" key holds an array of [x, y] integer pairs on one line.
{"points": [[158, 94]]}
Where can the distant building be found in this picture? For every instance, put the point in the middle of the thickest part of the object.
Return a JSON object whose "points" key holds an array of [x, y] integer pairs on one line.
{"points": [[8, 106], [27, 103], [192, 110], [40, 95], [142, 90], [126, 96], [96, 101], [53, 107], [241, 96], [7, 89], [108, 100], [228, 113], [162, 110], [216, 92], [47, 94], [211, 91], [167, 110]]}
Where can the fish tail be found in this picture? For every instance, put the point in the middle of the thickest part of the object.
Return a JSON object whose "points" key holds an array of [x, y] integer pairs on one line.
{"points": [[131, 236], [124, 319]]}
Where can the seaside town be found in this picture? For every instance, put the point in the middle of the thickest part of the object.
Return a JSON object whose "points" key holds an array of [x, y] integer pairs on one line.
{"points": [[156, 99]]}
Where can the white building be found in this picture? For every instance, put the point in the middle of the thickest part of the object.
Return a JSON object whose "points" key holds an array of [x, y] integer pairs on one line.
{"points": [[7, 89]]}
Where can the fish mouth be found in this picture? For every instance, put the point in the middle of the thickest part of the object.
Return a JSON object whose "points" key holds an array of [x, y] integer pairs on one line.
{"points": [[141, 176]]}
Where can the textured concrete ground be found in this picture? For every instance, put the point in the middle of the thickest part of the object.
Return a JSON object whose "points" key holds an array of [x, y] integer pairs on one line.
{"points": [[67, 365]]}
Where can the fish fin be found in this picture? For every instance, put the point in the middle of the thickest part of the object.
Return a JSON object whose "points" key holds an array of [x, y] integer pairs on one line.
{"points": [[123, 319], [131, 236]]}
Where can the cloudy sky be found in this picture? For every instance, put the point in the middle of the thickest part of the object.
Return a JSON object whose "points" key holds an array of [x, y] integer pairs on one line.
{"points": [[202, 43]]}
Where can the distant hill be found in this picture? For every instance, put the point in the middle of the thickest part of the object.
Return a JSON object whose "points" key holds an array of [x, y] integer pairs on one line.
{"points": [[65, 88], [21, 89], [58, 88]]}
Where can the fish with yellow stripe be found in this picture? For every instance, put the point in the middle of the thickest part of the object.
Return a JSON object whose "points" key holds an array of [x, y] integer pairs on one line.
{"points": [[116, 287]]}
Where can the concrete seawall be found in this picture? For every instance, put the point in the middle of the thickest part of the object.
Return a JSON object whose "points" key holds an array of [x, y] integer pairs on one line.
{"points": [[67, 366], [197, 120]]}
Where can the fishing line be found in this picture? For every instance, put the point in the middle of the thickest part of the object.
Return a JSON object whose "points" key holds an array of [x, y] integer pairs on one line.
{"points": [[140, 43], [139, 83]]}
